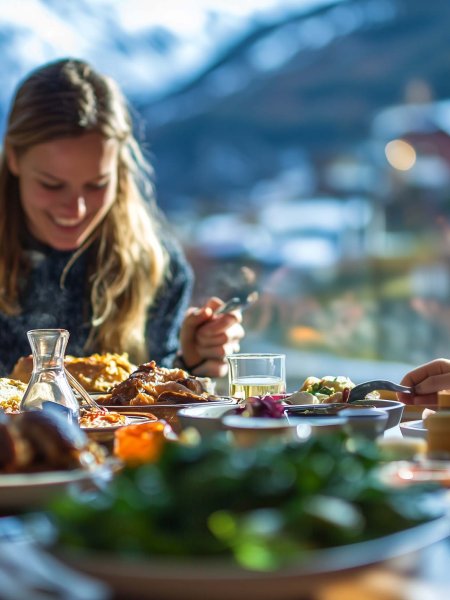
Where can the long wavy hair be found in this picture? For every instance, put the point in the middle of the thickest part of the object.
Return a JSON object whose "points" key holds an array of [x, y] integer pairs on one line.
{"points": [[67, 98]]}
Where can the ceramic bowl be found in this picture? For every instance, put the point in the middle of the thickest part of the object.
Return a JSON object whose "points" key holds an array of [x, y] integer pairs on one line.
{"points": [[393, 408], [249, 431], [206, 419]]}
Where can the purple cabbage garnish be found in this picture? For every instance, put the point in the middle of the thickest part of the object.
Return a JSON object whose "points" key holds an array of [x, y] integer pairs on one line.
{"points": [[264, 406]]}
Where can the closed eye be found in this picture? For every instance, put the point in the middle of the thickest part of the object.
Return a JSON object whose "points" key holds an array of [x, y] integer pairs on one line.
{"points": [[51, 186], [97, 186]]}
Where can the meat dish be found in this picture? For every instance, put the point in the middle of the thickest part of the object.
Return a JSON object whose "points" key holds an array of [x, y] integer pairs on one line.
{"points": [[42, 441], [151, 384]]}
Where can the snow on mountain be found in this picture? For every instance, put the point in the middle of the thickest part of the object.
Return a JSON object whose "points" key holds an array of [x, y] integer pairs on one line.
{"points": [[149, 46]]}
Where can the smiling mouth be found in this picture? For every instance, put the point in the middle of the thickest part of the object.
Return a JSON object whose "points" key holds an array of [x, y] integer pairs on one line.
{"points": [[62, 222]]}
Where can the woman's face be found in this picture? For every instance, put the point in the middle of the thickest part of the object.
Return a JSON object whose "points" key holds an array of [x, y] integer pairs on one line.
{"points": [[67, 186]]}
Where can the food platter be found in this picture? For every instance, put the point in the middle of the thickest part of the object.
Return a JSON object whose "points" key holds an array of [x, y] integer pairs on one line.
{"points": [[32, 490], [169, 412], [106, 434], [414, 429], [130, 420], [171, 579]]}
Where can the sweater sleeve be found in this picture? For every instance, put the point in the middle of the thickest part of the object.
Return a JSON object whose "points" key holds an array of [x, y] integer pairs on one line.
{"points": [[167, 312]]}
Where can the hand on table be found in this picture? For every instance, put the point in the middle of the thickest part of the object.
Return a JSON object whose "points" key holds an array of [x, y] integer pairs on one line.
{"points": [[427, 380], [206, 338]]}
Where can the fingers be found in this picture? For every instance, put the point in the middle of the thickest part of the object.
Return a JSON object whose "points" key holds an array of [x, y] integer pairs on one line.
{"points": [[433, 384], [439, 366], [194, 319], [218, 352], [427, 380], [208, 337], [214, 303], [212, 368], [417, 399]]}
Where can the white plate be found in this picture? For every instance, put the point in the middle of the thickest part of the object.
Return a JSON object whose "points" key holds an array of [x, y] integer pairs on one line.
{"points": [[130, 420], [32, 490], [413, 429], [203, 578]]}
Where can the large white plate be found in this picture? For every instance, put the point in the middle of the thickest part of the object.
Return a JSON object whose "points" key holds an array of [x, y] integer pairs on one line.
{"points": [[413, 429], [186, 578], [32, 490]]}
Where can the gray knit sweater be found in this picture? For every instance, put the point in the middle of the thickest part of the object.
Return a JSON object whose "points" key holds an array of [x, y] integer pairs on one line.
{"points": [[45, 306]]}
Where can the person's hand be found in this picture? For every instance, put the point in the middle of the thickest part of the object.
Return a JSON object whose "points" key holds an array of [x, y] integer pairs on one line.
{"points": [[427, 380], [206, 338]]}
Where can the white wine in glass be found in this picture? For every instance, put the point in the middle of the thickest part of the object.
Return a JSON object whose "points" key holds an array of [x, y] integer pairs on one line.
{"points": [[244, 387]]}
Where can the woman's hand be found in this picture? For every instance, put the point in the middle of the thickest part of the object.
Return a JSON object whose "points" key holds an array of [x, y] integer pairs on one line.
{"points": [[206, 338], [427, 380]]}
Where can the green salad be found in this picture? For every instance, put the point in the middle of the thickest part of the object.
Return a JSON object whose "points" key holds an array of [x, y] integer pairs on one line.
{"points": [[261, 506]]}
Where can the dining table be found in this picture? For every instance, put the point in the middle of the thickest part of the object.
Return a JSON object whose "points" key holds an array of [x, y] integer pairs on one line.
{"points": [[30, 572]]}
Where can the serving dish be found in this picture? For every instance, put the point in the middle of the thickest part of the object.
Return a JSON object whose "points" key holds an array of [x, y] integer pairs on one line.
{"points": [[414, 429], [207, 419], [34, 490], [248, 431], [106, 434], [170, 412], [394, 409], [171, 579]]}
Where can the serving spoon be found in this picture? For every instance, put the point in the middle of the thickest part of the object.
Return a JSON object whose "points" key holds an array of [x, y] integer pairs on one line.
{"points": [[83, 393], [360, 391]]}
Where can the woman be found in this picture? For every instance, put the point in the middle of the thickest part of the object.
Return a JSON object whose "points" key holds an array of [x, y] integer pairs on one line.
{"points": [[82, 246]]}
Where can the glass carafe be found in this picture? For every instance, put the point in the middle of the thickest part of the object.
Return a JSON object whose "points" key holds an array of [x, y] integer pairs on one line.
{"points": [[48, 388]]}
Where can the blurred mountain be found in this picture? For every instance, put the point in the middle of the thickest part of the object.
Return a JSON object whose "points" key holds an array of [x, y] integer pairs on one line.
{"points": [[151, 48], [229, 107], [305, 87]]}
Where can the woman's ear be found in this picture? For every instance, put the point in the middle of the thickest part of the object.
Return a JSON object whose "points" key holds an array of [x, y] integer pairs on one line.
{"points": [[11, 159]]}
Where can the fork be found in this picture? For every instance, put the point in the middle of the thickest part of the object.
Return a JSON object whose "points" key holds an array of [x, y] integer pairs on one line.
{"points": [[362, 389], [235, 303], [238, 302], [28, 570], [83, 393]]}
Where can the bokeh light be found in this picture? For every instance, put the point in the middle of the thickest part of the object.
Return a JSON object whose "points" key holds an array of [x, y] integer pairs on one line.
{"points": [[400, 155]]}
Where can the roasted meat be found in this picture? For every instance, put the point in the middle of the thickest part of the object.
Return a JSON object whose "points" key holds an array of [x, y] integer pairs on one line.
{"points": [[150, 384], [42, 441]]}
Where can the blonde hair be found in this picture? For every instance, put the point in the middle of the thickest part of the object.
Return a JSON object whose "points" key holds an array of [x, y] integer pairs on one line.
{"points": [[66, 99]]}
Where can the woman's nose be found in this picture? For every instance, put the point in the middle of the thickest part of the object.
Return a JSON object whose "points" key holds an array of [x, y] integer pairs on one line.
{"points": [[75, 206]]}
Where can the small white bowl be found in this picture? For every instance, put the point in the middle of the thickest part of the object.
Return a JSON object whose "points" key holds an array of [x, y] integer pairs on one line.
{"points": [[249, 431], [369, 422], [206, 419]]}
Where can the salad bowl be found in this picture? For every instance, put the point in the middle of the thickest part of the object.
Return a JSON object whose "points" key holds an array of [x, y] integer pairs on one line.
{"points": [[209, 419]]}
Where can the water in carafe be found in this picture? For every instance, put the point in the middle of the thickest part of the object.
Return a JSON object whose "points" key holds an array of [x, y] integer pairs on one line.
{"points": [[48, 388]]}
